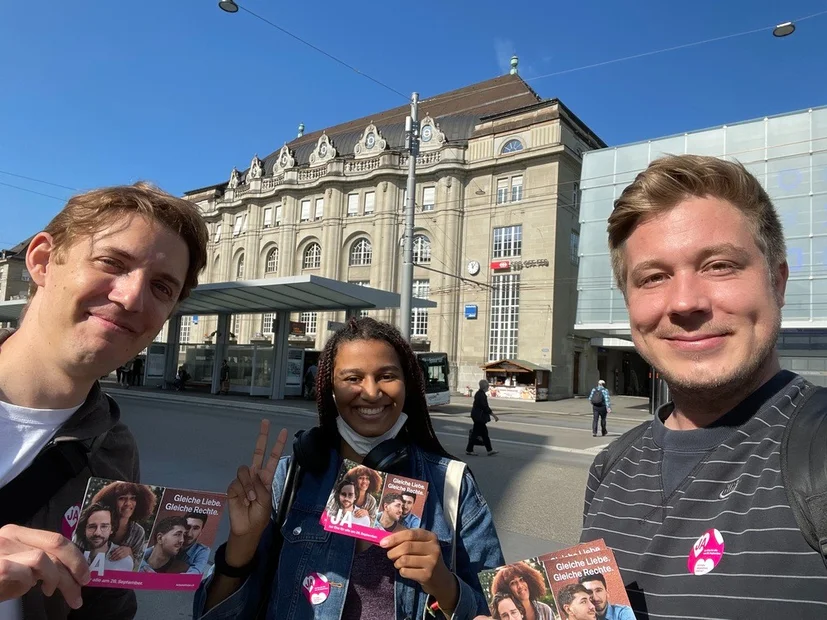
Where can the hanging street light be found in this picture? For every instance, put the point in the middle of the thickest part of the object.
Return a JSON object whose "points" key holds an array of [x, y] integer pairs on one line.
{"points": [[783, 30], [228, 5]]}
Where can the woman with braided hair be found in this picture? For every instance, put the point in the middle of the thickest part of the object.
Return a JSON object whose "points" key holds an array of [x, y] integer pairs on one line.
{"points": [[369, 390]]}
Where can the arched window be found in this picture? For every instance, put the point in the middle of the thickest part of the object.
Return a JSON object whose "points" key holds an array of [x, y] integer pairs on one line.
{"points": [[312, 256], [512, 146], [361, 253], [421, 249], [239, 268], [272, 262]]}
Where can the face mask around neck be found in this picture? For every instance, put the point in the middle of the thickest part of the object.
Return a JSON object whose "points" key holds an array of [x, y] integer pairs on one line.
{"points": [[363, 445]]}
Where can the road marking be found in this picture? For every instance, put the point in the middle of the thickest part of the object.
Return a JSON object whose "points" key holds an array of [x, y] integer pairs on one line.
{"points": [[229, 404], [552, 426], [587, 451], [539, 415]]}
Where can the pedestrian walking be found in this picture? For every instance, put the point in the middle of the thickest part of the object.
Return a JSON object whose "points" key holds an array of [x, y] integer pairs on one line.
{"points": [[126, 373], [481, 414], [310, 382], [225, 378], [601, 406], [181, 378], [137, 371]]}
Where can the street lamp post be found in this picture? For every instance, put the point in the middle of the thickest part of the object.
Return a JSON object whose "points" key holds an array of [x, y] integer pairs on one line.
{"points": [[406, 290]]}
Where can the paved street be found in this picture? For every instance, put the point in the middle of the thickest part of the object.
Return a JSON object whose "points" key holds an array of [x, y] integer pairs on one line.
{"points": [[534, 486]]}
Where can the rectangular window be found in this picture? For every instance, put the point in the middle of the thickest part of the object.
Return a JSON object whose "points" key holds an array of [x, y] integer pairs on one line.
{"points": [[267, 322], [305, 211], [419, 316], [186, 324], [217, 232], [244, 224], [505, 315], [508, 241], [575, 195], [278, 215], [319, 214], [268, 217], [428, 198], [516, 188], [310, 322], [352, 205], [239, 221], [370, 202], [234, 324], [502, 191], [574, 248]]}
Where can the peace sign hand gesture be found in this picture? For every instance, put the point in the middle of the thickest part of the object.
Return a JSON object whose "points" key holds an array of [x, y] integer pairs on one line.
{"points": [[249, 494]]}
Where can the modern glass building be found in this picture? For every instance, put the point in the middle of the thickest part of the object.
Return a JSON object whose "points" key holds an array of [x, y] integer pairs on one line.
{"points": [[788, 153]]}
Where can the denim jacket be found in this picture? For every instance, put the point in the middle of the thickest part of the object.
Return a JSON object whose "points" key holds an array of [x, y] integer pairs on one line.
{"points": [[308, 548]]}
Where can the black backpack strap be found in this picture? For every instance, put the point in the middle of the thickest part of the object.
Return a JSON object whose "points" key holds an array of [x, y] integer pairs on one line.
{"points": [[804, 467], [619, 447], [56, 465]]}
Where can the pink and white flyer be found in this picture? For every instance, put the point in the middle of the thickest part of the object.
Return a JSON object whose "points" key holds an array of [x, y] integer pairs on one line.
{"points": [[146, 537], [370, 505]]}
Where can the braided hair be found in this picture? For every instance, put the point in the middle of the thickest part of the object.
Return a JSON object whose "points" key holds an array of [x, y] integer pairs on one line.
{"points": [[419, 427]]}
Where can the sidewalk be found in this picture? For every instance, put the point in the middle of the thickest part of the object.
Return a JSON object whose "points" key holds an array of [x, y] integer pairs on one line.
{"points": [[629, 408]]}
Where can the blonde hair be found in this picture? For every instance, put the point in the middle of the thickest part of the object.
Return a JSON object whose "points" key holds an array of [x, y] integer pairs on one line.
{"points": [[88, 213], [671, 179]]}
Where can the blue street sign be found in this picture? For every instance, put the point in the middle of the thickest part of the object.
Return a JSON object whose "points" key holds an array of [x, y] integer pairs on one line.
{"points": [[470, 311]]}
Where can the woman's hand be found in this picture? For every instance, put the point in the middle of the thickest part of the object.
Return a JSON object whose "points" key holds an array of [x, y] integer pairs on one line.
{"points": [[248, 495], [416, 554], [120, 553], [360, 512]]}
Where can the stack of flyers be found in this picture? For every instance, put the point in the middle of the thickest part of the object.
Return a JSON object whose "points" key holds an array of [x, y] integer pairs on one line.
{"points": [[578, 583], [370, 504], [145, 537]]}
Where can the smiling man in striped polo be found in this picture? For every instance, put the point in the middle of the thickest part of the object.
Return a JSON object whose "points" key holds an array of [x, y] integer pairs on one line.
{"points": [[696, 509]]}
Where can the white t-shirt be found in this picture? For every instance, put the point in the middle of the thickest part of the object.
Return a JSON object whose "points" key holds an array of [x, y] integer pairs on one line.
{"points": [[24, 432], [124, 564]]}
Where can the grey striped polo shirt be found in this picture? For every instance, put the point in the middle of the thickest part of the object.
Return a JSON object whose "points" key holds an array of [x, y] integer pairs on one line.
{"points": [[767, 569]]}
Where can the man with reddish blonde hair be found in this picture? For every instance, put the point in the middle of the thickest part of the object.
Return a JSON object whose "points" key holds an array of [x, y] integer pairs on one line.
{"points": [[106, 273], [695, 503]]}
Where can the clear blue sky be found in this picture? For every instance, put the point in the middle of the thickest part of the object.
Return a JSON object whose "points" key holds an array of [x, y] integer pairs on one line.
{"points": [[178, 92]]}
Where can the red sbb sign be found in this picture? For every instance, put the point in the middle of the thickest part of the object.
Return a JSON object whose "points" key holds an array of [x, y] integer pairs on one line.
{"points": [[500, 264]]}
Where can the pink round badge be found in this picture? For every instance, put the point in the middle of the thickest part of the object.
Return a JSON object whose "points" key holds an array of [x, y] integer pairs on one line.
{"points": [[316, 588], [70, 521], [706, 552]]}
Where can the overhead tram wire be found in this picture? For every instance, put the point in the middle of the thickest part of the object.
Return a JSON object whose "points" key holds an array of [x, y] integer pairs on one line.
{"points": [[324, 53], [31, 191], [22, 176], [443, 100]]}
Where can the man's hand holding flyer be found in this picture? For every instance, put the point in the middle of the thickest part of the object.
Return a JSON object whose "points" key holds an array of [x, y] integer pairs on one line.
{"points": [[371, 505], [579, 583], [141, 536]]}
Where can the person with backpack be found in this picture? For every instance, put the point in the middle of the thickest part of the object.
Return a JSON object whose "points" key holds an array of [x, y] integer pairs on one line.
{"points": [[716, 507], [481, 415], [106, 272], [601, 406]]}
